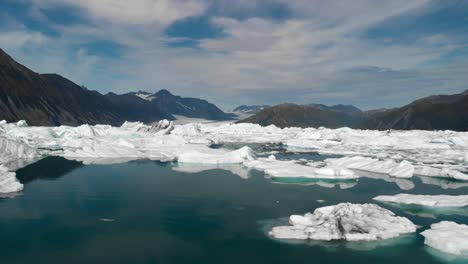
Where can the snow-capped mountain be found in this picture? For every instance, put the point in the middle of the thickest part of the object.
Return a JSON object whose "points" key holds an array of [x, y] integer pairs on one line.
{"points": [[50, 99], [143, 105], [249, 109]]}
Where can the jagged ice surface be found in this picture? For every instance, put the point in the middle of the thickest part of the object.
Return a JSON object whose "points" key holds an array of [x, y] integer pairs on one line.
{"points": [[345, 221], [397, 154]]}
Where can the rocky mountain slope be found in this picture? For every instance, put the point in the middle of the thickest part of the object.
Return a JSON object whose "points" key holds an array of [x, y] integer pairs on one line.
{"points": [[293, 115], [437, 112], [49, 99], [164, 104]]}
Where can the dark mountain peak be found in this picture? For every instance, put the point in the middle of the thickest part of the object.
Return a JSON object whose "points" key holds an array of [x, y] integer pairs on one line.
{"points": [[4, 55], [348, 109], [162, 93], [436, 112], [249, 107], [48, 99]]}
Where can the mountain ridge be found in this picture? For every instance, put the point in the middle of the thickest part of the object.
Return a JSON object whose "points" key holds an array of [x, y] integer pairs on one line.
{"points": [[435, 112], [51, 100]]}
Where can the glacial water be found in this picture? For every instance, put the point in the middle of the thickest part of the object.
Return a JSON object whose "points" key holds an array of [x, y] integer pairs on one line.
{"points": [[147, 212]]}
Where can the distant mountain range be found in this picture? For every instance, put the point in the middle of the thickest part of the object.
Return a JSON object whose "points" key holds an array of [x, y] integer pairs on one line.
{"points": [[148, 107], [439, 112], [50, 99], [293, 115], [348, 109], [249, 109]]}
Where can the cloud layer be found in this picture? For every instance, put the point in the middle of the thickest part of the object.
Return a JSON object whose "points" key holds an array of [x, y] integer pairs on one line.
{"points": [[369, 53]]}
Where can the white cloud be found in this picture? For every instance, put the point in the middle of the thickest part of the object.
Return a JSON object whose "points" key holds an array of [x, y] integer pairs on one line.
{"points": [[319, 53], [162, 12], [20, 39]]}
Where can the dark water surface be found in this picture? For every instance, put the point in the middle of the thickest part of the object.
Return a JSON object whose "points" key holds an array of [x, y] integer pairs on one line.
{"points": [[145, 212]]}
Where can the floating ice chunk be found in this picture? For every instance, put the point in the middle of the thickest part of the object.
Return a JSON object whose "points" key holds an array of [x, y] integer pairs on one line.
{"points": [[345, 221], [426, 200], [440, 172], [444, 183], [402, 169], [22, 123], [216, 156], [297, 169], [448, 237], [163, 127], [8, 181]]}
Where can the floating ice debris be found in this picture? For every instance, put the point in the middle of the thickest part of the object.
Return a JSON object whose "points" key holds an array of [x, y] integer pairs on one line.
{"points": [[297, 169], [216, 156], [426, 200], [162, 127], [403, 169], [106, 219], [440, 172], [345, 221], [397, 154], [444, 183], [448, 237]]}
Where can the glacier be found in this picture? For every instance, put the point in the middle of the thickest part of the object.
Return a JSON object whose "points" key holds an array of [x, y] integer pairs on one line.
{"points": [[394, 156], [448, 237], [345, 221]]}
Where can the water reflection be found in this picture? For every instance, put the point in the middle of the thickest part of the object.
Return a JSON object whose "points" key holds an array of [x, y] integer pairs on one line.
{"points": [[49, 168]]}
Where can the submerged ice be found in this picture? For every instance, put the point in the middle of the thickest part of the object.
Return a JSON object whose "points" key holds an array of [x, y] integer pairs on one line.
{"points": [[345, 221]]}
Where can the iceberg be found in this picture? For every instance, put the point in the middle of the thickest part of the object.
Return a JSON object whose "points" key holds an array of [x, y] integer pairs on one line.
{"points": [[216, 156], [403, 169], [426, 200], [448, 237], [8, 181], [297, 169], [440, 172], [345, 221]]}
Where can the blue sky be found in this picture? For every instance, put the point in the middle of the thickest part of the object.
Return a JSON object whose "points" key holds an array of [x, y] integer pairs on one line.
{"points": [[368, 53]]}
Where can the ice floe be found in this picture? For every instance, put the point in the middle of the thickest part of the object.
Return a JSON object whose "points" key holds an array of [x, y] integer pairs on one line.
{"points": [[440, 172], [216, 156], [296, 169], [345, 221], [426, 200], [403, 169], [448, 237]]}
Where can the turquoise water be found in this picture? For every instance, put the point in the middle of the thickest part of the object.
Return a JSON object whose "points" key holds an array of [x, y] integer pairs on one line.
{"points": [[145, 212]]}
